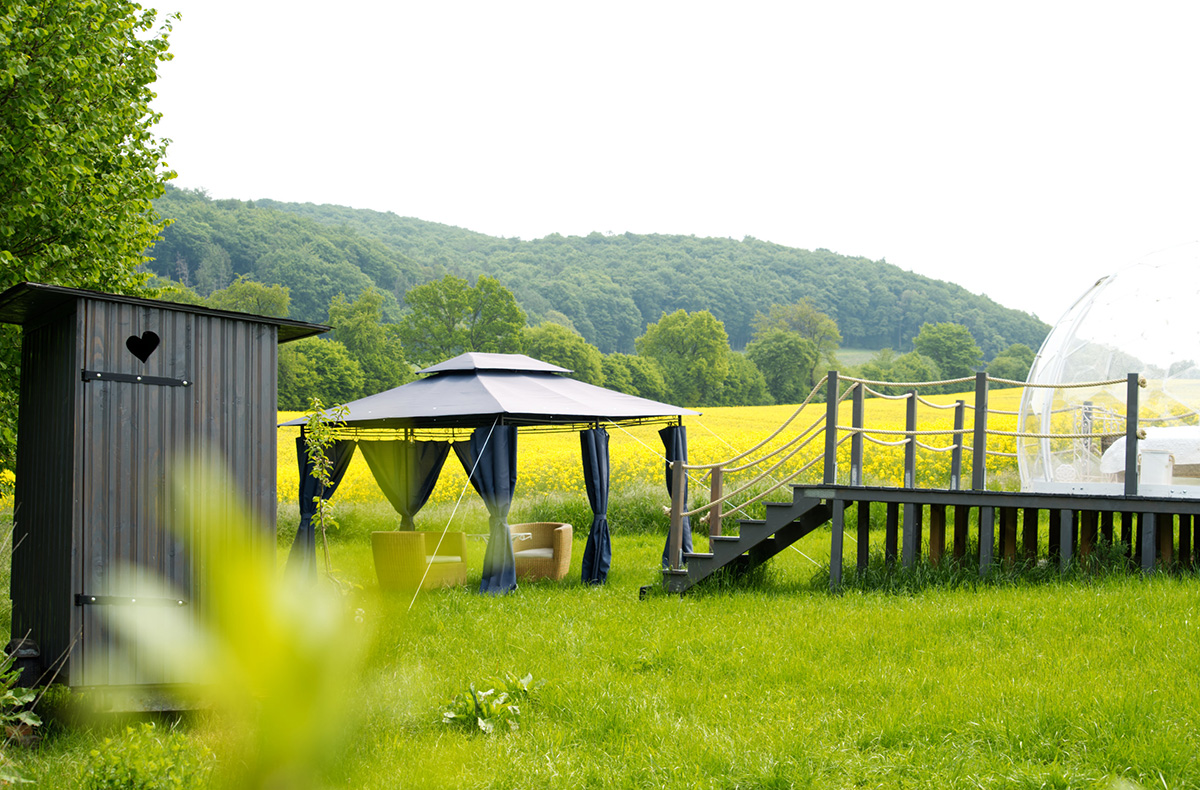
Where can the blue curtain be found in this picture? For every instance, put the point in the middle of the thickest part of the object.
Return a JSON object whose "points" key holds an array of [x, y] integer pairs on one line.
{"points": [[302, 558], [674, 438], [406, 472], [490, 459], [597, 555]]}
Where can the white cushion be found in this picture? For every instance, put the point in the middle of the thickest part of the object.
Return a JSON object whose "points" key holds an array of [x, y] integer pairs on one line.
{"points": [[535, 554], [443, 559]]}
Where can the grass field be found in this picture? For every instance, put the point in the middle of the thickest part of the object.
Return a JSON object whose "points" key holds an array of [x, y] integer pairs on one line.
{"points": [[1022, 680]]}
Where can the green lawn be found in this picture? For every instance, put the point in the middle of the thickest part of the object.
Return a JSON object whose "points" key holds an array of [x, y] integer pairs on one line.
{"points": [[1081, 683]]}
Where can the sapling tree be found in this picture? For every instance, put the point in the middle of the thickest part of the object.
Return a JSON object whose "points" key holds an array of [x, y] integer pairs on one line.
{"points": [[320, 432]]}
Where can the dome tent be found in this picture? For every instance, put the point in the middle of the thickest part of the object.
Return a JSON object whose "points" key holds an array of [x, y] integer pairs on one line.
{"points": [[1142, 319]]}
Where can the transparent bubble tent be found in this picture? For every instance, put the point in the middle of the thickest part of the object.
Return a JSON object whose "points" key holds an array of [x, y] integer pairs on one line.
{"points": [[1144, 319]]}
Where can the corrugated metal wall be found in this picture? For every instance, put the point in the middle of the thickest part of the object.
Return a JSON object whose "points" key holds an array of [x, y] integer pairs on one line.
{"points": [[128, 437], [42, 536]]}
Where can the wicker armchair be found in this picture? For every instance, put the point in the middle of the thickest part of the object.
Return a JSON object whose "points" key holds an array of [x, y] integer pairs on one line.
{"points": [[547, 554], [401, 559]]}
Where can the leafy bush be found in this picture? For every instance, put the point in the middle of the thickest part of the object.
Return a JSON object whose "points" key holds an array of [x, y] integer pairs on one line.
{"points": [[148, 758], [498, 707]]}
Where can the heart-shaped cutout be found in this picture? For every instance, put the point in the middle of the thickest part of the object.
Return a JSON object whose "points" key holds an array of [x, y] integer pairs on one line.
{"points": [[142, 347]]}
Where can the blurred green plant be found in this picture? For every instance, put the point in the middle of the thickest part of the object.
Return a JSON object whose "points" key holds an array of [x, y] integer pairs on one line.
{"points": [[498, 708], [15, 717], [274, 655], [148, 758], [320, 426]]}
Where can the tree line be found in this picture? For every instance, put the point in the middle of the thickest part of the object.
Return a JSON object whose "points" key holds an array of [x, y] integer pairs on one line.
{"points": [[683, 358], [611, 288]]}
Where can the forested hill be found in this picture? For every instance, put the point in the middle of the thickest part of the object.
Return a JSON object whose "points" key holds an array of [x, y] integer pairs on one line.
{"points": [[610, 287]]}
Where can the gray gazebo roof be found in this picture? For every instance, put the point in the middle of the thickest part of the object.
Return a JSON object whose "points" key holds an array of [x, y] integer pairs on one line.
{"points": [[474, 389]]}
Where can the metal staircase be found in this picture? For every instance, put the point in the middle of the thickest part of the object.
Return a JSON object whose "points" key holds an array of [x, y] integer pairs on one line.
{"points": [[757, 541]]}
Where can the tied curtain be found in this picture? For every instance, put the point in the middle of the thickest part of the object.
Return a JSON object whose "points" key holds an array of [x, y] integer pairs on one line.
{"points": [[406, 472], [302, 557], [674, 438], [597, 554], [490, 460]]}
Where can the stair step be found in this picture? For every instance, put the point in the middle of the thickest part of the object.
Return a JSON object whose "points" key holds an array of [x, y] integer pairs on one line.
{"points": [[725, 538], [697, 555]]}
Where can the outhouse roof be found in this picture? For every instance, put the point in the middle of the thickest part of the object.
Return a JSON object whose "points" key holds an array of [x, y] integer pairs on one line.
{"points": [[26, 302]]}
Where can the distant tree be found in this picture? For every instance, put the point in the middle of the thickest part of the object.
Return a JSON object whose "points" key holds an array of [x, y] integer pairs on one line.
{"points": [[317, 368], [809, 323], [215, 270], [692, 350], [248, 296], [171, 291], [906, 368], [555, 317], [450, 316], [951, 346], [566, 348], [312, 281], [1012, 363], [634, 375], [786, 361], [374, 345], [744, 384]]}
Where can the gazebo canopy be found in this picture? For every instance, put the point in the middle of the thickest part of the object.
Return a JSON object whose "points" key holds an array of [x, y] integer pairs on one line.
{"points": [[475, 390], [491, 395]]}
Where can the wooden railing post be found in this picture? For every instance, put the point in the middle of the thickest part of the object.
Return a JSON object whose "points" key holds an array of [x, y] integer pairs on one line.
{"points": [[677, 505], [715, 493], [1131, 435], [960, 415], [911, 539], [831, 434], [979, 441], [856, 441]]}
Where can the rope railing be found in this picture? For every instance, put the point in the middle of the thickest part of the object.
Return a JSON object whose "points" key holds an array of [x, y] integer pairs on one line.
{"points": [[837, 434]]}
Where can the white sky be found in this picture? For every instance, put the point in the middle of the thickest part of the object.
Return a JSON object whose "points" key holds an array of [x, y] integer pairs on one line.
{"points": [[1020, 149]]}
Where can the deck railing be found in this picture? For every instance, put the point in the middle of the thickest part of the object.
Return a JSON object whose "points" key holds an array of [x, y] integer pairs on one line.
{"points": [[771, 465]]}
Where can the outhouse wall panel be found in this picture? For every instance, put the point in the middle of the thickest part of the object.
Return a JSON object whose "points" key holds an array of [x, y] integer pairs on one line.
{"points": [[42, 535], [135, 437]]}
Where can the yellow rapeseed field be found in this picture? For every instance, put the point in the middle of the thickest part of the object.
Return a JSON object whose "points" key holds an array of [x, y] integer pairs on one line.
{"points": [[550, 461]]}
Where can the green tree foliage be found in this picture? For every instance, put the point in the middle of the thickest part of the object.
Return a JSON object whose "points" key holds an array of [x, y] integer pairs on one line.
{"points": [[374, 345], [566, 348], [248, 296], [171, 291], [1012, 363], [610, 287], [744, 384], [693, 351], [211, 242], [908, 368], [951, 346], [79, 165], [634, 375], [786, 361], [449, 316], [317, 368], [810, 324], [312, 279]]}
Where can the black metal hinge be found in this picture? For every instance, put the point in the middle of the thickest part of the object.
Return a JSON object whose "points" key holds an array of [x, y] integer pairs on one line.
{"points": [[82, 599], [134, 378]]}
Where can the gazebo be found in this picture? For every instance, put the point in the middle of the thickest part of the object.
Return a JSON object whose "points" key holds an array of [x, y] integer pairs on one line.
{"points": [[406, 433]]}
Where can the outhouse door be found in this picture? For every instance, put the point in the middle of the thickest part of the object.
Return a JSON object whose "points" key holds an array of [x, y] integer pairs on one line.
{"points": [[135, 419]]}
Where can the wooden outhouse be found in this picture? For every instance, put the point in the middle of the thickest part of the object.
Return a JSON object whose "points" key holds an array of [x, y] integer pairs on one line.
{"points": [[114, 390]]}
